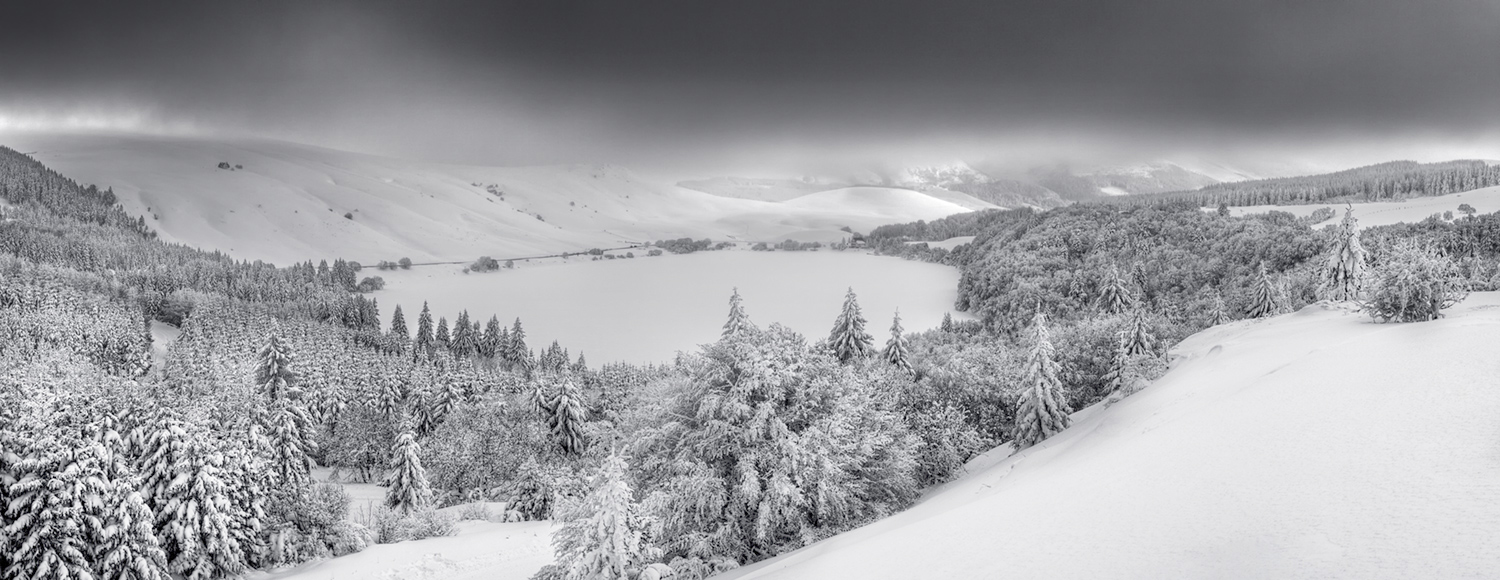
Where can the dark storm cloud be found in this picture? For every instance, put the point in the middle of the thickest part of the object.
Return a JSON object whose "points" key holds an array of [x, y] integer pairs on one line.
{"points": [[633, 81]]}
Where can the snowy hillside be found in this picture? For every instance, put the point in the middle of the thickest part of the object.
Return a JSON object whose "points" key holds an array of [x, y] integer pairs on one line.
{"points": [[285, 202], [1412, 210], [1311, 445]]}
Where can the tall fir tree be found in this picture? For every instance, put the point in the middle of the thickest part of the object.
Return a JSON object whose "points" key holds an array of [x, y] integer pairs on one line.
{"points": [[1043, 408], [489, 346], [1264, 300], [848, 340], [1138, 339], [896, 351], [195, 521], [565, 416], [463, 344], [423, 339], [602, 535], [1220, 313], [273, 370], [1114, 295], [398, 326], [46, 530], [738, 321], [407, 489], [1343, 269], [519, 357], [441, 337], [947, 324]]}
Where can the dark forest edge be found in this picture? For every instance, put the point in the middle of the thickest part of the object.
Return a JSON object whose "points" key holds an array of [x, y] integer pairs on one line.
{"points": [[752, 446]]}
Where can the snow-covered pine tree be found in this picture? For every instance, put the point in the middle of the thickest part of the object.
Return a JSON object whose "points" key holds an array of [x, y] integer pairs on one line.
{"points": [[1137, 339], [580, 367], [194, 520], [565, 418], [423, 339], [519, 357], [947, 324], [463, 344], [1114, 295], [896, 351], [127, 548], [848, 340], [398, 326], [1263, 300], [1043, 409], [1115, 377], [1220, 313], [601, 538], [408, 490], [490, 345], [292, 442], [47, 524], [440, 337], [1344, 268], [738, 321], [273, 371]]}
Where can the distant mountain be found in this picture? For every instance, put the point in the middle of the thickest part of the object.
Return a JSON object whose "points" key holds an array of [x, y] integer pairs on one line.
{"points": [[759, 189]]}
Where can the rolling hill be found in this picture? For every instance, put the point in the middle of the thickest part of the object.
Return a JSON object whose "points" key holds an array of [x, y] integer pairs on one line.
{"points": [[283, 202]]}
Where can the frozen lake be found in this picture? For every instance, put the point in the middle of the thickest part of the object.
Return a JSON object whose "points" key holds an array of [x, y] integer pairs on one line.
{"points": [[647, 309]]}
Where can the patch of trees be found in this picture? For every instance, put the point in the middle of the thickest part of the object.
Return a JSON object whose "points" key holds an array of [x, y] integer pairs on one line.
{"points": [[1380, 182]]}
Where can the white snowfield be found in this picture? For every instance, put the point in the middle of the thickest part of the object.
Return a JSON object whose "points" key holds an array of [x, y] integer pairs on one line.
{"points": [[288, 202], [478, 551], [1311, 445], [1385, 213]]}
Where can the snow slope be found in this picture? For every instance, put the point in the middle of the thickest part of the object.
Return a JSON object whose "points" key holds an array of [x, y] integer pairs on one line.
{"points": [[478, 551], [1312, 445], [1413, 210], [288, 202]]}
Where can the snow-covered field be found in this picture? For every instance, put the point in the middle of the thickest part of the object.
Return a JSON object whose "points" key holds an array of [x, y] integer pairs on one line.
{"points": [[478, 551], [647, 308], [288, 202], [1312, 445], [1413, 210]]}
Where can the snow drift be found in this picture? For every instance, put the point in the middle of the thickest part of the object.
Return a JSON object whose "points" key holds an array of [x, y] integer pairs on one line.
{"points": [[1311, 445]]}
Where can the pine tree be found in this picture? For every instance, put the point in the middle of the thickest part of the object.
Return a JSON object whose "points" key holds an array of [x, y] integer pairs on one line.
{"points": [[738, 321], [601, 538], [398, 326], [1220, 313], [896, 351], [1137, 339], [1263, 302], [127, 548], [424, 329], [490, 345], [195, 523], [441, 337], [463, 344], [849, 339], [273, 371], [1344, 268], [47, 520], [1115, 377], [1114, 296], [1043, 409], [947, 324], [518, 357], [408, 490], [565, 418]]}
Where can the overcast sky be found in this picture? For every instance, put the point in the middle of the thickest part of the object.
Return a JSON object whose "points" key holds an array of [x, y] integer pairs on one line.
{"points": [[770, 84]]}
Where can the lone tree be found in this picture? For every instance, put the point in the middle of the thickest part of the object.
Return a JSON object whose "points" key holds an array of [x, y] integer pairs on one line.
{"points": [[849, 339], [896, 351], [1344, 269], [1042, 410], [1264, 301], [738, 321], [408, 489], [1114, 296]]}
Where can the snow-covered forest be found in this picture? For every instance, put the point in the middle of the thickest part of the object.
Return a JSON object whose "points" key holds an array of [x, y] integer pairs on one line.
{"points": [[199, 463]]}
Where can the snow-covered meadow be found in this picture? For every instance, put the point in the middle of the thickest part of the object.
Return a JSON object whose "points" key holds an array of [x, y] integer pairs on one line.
{"points": [[646, 309], [1384, 213]]}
